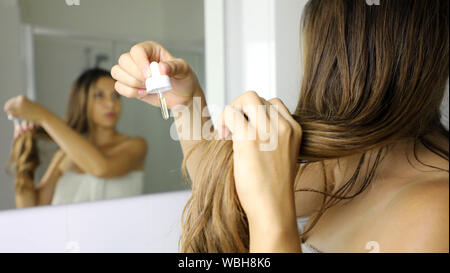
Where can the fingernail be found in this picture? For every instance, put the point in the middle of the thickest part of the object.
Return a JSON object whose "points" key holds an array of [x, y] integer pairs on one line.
{"points": [[220, 133], [142, 92], [165, 71], [227, 133], [224, 132]]}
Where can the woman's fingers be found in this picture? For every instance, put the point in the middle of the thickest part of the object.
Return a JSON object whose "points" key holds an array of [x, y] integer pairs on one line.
{"points": [[128, 91], [24, 126], [119, 74], [145, 53], [17, 129], [284, 111], [246, 104], [134, 68], [34, 126], [128, 65], [234, 120], [281, 108], [141, 57], [8, 108], [263, 118], [176, 68], [20, 128]]}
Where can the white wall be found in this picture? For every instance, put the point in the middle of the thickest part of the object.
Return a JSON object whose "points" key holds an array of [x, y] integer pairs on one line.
{"points": [[262, 41], [262, 48], [150, 223], [288, 62], [11, 85], [250, 47], [143, 20], [216, 83]]}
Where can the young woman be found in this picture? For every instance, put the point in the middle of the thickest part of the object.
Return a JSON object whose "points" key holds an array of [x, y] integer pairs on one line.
{"points": [[94, 161], [365, 155]]}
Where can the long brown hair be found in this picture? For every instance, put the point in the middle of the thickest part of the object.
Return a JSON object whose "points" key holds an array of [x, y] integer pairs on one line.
{"points": [[24, 157], [373, 76]]}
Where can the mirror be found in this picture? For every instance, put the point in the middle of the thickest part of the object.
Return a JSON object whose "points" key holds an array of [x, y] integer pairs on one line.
{"points": [[59, 40]]}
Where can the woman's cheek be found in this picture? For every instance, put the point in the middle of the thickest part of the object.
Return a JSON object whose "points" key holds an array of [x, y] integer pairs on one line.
{"points": [[96, 113]]}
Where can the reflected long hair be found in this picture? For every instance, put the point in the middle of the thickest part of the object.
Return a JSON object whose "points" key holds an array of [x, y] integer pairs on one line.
{"points": [[24, 158], [373, 76]]}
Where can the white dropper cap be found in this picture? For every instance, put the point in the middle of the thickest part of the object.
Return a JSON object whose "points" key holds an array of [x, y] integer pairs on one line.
{"points": [[157, 83]]}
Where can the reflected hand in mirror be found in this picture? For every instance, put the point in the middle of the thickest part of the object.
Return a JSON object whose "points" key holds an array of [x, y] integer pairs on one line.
{"points": [[23, 127]]}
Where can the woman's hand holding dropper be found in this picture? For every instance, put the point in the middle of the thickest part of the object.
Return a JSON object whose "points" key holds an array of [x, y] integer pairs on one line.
{"points": [[133, 69]]}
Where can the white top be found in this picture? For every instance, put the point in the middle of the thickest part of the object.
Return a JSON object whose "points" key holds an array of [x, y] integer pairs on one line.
{"points": [[306, 248], [73, 187]]}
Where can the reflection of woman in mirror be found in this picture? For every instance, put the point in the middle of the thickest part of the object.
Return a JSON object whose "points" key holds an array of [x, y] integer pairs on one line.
{"points": [[364, 156], [94, 161]]}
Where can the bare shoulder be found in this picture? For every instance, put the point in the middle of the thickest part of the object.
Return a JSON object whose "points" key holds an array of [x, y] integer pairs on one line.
{"points": [[138, 141], [423, 195], [417, 218], [134, 143], [137, 145]]}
